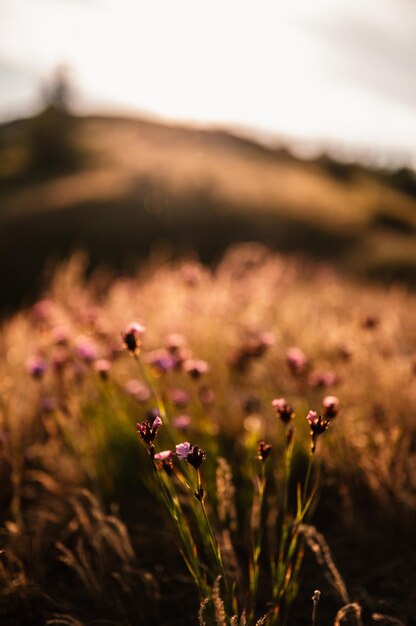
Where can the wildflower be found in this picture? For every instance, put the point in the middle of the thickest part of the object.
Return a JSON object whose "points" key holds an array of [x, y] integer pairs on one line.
{"points": [[196, 367], [296, 360], [182, 450], [331, 406], [85, 349], [102, 367], [164, 459], [161, 361], [263, 450], [138, 390], [317, 425], [283, 409], [323, 379], [178, 397], [162, 456], [193, 454], [182, 422], [61, 335], [36, 366], [60, 358], [206, 395], [196, 457], [148, 430], [132, 337], [174, 342]]}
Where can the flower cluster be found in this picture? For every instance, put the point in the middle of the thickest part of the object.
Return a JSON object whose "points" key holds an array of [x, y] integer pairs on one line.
{"points": [[192, 454], [149, 429], [318, 424], [283, 409]]}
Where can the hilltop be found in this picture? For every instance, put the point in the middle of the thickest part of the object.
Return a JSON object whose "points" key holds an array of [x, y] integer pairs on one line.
{"points": [[127, 185]]}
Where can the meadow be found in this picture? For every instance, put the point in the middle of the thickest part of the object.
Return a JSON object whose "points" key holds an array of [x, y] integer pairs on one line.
{"points": [[105, 520]]}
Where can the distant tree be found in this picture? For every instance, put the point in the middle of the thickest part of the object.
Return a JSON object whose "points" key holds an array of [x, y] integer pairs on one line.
{"points": [[52, 141]]}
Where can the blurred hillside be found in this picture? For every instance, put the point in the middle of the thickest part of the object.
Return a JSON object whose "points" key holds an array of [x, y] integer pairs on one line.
{"points": [[118, 187]]}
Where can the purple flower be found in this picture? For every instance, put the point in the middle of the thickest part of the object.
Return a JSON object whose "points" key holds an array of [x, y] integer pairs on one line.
{"points": [[296, 360], [331, 406], [192, 454], [148, 430], [138, 390], [323, 379], [85, 349], [164, 455], [102, 367], [182, 422], [196, 457], [178, 397], [132, 337], [36, 366], [174, 342], [161, 360], [165, 460], [182, 450], [317, 425], [283, 410], [196, 367]]}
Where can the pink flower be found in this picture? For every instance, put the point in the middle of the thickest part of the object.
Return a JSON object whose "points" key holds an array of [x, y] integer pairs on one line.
{"points": [[132, 336], [164, 455], [178, 397], [283, 410], [181, 422], [183, 450], [174, 341], [196, 367], [148, 430], [317, 425], [138, 390], [85, 349], [331, 406], [102, 366], [36, 366], [297, 360]]}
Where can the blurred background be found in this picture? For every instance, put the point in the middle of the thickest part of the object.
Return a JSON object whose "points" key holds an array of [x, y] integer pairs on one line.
{"points": [[131, 128]]}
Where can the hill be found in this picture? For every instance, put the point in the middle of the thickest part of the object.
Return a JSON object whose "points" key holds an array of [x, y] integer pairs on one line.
{"points": [[117, 187]]}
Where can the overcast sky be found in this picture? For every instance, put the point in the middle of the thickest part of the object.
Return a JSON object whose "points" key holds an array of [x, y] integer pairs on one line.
{"points": [[341, 72]]}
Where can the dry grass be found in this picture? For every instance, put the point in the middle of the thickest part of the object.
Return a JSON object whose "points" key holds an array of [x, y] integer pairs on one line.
{"points": [[71, 434]]}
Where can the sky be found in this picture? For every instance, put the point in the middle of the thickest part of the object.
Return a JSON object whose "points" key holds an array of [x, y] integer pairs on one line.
{"points": [[337, 73]]}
